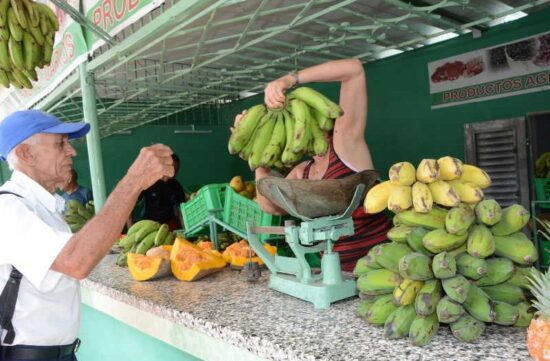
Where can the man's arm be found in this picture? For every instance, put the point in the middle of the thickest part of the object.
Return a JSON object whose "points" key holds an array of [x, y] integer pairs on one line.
{"points": [[87, 247]]}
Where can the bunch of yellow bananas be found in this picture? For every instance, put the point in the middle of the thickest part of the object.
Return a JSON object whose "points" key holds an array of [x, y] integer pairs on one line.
{"points": [[280, 137], [446, 181], [27, 32]]}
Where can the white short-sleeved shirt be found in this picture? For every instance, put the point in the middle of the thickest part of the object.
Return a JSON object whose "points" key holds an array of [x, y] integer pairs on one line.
{"points": [[32, 234]]}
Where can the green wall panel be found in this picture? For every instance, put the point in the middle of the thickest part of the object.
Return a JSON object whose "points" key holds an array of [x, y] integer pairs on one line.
{"points": [[105, 338]]}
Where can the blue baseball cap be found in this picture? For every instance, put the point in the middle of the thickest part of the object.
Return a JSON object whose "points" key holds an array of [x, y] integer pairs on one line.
{"points": [[19, 126]]}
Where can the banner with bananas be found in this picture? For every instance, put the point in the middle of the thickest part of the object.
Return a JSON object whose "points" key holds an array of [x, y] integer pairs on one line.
{"points": [[115, 17], [39, 46]]}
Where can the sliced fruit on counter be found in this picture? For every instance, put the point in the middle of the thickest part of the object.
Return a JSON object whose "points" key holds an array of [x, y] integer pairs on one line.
{"points": [[190, 263], [240, 253], [155, 264]]}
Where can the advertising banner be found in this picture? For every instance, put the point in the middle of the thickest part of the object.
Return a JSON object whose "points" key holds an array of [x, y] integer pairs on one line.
{"points": [[513, 68], [70, 50], [113, 16]]}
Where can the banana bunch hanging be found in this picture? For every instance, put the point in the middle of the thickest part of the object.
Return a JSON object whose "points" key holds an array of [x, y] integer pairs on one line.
{"points": [[280, 137], [27, 32]]}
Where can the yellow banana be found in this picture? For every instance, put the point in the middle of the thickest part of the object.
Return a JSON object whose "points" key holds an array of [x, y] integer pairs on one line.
{"points": [[422, 197], [400, 199], [273, 150], [302, 131], [377, 197], [4, 5], [15, 28], [243, 131], [473, 174], [265, 129], [449, 168], [287, 157], [467, 191], [316, 100], [4, 55], [427, 171], [320, 142], [50, 15], [444, 194], [21, 78], [19, 10], [406, 292], [4, 80], [16, 54], [402, 173]]}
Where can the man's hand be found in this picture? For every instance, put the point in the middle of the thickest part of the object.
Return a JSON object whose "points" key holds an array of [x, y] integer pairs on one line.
{"points": [[153, 163]]}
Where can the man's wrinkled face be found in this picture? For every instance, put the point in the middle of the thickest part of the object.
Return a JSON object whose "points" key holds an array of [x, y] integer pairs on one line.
{"points": [[53, 157]]}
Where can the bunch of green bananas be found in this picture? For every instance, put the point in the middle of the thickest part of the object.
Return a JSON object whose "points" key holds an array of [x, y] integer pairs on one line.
{"points": [[76, 214], [280, 137], [27, 32], [542, 166], [142, 236]]}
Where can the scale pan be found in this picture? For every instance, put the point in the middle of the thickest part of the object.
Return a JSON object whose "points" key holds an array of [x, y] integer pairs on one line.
{"points": [[316, 198]]}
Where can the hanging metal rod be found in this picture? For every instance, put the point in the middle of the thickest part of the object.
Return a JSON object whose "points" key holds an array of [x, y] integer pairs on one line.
{"points": [[84, 21]]}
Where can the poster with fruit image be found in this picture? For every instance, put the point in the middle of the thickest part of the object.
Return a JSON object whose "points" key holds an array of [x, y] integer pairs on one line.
{"points": [[59, 54], [517, 67]]}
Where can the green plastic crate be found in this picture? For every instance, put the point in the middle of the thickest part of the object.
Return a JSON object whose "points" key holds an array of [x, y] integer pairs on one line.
{"points": [[238, 210], [195, 211], [542, 191]]}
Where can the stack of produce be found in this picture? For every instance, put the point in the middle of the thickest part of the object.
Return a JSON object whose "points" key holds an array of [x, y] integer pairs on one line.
{"points": [[280, 137], [27, 33], [464, 265], [142, 236], [245, 189], [76, 214], [542, 166]]}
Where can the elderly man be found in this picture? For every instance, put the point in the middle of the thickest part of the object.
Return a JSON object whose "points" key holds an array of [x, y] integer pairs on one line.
{"points": [[41, 261]]}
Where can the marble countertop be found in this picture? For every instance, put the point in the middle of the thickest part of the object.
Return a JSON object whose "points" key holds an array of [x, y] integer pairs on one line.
{"points": [[276, 326]]}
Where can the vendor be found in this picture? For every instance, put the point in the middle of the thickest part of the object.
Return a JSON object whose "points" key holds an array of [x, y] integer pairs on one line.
{"points": [[348, 151]]}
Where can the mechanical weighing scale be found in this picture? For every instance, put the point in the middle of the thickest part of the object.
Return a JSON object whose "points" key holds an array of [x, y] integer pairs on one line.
{"points": [[314, 203]]}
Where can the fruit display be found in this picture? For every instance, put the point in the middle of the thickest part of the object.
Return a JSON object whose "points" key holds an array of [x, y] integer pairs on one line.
{"points": [[454, 257], [27, 33], [142, 236], [245, 189], [76, 214], [280, 137], [538, 333], [542, 166]]}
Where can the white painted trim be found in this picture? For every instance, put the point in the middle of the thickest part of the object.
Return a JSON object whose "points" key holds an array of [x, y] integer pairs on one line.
{"points": [[183, 338]]}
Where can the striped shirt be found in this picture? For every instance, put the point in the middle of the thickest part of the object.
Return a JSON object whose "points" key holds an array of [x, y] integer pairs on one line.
{"points": [[370, 229]]}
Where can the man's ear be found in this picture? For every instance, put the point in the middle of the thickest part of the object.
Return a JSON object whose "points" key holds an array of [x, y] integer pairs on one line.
{"points": [[24, 153]]}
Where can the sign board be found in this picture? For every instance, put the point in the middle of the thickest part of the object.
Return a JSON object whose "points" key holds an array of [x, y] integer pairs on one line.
{"points": [[513, 68]]}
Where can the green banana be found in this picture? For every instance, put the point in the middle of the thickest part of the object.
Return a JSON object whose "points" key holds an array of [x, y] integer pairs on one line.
{"points": [[50, 15], [169, 240], [127, 242], [136, 227], [4, 55], [122, 259], [4, 5], [276, 144], [320, 142], [470, 266], [74, 218], [245, 153], [520, 277], [481, 242], [435, 219], [427, 298], [416, 266], [378, 282], [399, 233], [146, 243], [364, 307], [48, 52], [324, 122], [423, 329], [488, 212], [467, 328], [302, 130], [479, 305], [45, 26], [4, 80], [456, 288], [444, 265], [15, 28], [37, 35], [265, 129], [498, 270], [448, 310], [16, 54], [34, 17], [14, 81], [244, 129], [287, 156], [440, 240], [525, 315], [414, 239], [4, 33], [19, 11], [370, 258], [161, 234], [513, 219], [516, 247], [399, 322], [388, 255], [505, 292], [361, 267], [318, 101], [380, 310], [21, 78], [29, 49], [459, 219], [31, 74]]}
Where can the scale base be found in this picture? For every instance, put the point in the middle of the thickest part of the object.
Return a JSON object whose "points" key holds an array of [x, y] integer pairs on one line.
{"points": [[318, 293]]}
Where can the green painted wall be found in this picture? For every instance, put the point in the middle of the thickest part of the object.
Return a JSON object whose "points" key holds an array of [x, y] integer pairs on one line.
{"points": [[106, 339]]}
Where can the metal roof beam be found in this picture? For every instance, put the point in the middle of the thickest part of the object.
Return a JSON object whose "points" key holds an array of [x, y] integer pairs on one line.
{"points": [[461, 20]]}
